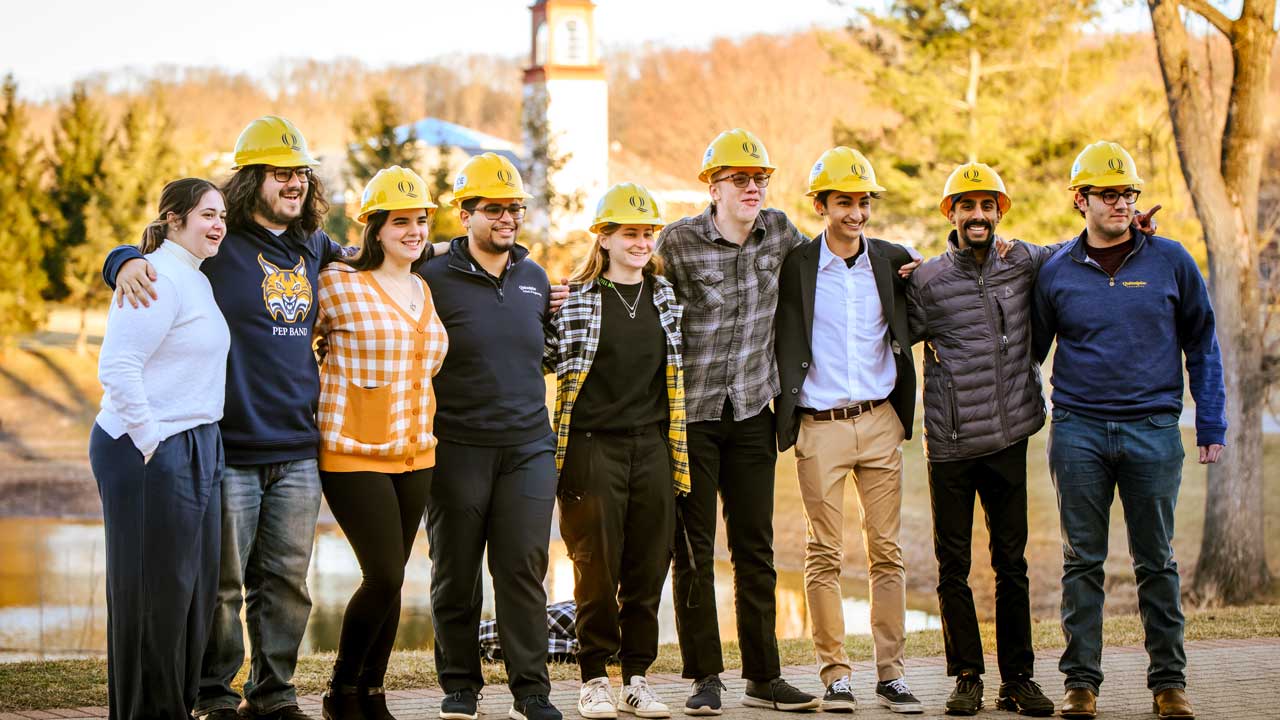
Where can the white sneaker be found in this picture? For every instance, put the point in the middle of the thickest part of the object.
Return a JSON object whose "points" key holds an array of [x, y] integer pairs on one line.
{"points": [[640, 700], [595, 700]]}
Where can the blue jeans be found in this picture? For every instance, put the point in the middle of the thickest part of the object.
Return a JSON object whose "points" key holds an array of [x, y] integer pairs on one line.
{"points": [[268, 529], [1089, 459]]}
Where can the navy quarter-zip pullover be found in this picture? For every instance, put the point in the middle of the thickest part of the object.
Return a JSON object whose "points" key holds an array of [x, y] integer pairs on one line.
{"points": [[1121, 338]]}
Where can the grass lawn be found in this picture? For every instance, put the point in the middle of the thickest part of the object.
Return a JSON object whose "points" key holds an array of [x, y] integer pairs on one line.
{"points": [[79, 683]]}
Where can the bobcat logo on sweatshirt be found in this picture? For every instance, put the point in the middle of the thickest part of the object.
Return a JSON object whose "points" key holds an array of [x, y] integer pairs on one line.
{"points": [[286, 292]]}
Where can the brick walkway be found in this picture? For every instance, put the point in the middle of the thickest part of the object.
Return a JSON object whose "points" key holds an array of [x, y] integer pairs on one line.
{"points": [[1225, 678]]}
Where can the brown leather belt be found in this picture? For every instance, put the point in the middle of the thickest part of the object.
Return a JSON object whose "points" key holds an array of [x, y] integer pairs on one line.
{"points": [[844, 413]]}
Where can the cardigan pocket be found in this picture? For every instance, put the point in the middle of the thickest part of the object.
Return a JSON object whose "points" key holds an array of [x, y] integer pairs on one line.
{"points": [[367, 417]]}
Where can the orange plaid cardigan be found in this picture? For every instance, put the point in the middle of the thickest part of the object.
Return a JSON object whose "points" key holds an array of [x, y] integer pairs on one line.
{"points": [[376, 399]]}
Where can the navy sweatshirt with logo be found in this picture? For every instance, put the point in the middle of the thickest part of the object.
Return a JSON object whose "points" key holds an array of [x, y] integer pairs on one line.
{"points": [[490, 390], [265, 285], [1122, 338]]}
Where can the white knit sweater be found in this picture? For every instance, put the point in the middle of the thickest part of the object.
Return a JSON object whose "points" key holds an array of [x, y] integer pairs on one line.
{"points": [[163, 369]]}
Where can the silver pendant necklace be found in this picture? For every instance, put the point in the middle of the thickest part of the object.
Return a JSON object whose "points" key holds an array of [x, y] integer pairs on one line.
{"points": [[632, 306]]}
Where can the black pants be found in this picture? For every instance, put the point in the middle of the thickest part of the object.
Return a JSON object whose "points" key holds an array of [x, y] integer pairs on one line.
{"points": [[617, 517], [380, 515], [736, 460], [1000, 481], [163, 525], [501, 497]]}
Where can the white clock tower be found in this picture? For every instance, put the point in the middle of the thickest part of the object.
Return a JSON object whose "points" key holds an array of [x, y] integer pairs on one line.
{"points": [[566, 116]]}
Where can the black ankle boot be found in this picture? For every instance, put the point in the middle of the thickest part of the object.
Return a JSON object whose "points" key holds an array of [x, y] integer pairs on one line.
{"points": [[342, 702], [373, 701]]}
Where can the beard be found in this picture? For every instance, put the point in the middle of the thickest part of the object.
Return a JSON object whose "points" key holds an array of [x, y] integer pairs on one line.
{"points": [[264, 208], [979, 244]]}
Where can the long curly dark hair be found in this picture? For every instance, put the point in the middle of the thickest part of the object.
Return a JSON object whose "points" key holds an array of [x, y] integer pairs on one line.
{"points": [[243, 192]]}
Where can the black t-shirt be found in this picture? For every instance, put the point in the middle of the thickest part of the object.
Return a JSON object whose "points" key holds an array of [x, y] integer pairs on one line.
{"points": [[626, 386]]}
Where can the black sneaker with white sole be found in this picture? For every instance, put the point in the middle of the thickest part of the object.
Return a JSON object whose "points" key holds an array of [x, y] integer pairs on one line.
{"points": [[895, 695], [839, 696], [534, 707], [778, 694], [704, 696], [459, 705]]}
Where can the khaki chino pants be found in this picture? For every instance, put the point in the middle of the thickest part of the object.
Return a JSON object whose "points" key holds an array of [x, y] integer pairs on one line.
{"points": [[827, 452]]}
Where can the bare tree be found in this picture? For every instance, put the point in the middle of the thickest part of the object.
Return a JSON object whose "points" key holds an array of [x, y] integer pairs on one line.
{"points": [[1223, 172]]}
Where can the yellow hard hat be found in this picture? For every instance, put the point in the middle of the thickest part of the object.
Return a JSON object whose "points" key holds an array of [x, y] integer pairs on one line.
{"points": [[488, 176], [843, 169], [1105, 164], [627, 204], [734, 148], [272, 140], [395, 188], [974, 177]]}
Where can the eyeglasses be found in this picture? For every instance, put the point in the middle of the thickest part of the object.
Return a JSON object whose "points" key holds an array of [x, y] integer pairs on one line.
{"points": [[496, 211], [1111, 197], [740, 180], [282, 175]]}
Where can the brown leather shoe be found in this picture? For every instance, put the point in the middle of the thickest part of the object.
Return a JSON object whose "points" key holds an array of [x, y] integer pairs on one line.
{"points": [[1172, 703], [1079, 703]]}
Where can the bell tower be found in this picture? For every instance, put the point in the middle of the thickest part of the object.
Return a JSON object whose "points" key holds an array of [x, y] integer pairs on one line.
{"points": [[565, 116]]}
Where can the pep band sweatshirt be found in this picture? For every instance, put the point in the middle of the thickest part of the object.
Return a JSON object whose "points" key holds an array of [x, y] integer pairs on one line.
{"points": [[265, 284], [1122, 337]]}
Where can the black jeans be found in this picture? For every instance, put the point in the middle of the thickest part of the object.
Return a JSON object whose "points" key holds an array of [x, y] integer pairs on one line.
{"points": [[617, 517], [1000, 481], [380, 515], [734, 459], [502, 497]]}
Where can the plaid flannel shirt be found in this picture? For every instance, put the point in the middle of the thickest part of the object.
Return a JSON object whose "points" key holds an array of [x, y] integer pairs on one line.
{"points": [[730, 293], [571, 348], [562, 639]]}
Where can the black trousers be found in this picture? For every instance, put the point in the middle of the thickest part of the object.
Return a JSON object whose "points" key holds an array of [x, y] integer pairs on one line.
{"points": [[735, 460], [380, 515], [617, 517], [163, 523], [1000, 481], [503, 498]]}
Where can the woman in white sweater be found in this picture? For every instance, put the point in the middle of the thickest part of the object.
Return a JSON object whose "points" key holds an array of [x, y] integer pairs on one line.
{"points": [[157, 457]]}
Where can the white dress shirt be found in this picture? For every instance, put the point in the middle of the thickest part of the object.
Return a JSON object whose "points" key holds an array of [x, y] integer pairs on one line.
{"points": [[852, 360]]}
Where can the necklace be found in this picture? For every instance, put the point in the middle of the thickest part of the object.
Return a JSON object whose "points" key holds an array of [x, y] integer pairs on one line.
{"points": [[399, 294], [630, 306]]}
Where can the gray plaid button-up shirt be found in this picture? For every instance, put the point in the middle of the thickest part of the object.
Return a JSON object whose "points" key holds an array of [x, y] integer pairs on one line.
{"points": [[730, 293]]}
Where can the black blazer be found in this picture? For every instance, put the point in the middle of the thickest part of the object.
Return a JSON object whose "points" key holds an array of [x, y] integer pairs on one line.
{"points": [[797, 285]]}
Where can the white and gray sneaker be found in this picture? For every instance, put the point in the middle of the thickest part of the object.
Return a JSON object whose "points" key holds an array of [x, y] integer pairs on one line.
{"points": [[595, 700], [640, 700], [839, 696], [895, 695]]}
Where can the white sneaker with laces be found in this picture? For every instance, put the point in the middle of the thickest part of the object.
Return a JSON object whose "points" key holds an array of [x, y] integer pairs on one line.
{"points": [[640, 700], [595, 700]]}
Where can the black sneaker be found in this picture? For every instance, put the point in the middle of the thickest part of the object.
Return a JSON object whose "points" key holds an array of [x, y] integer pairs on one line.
{"points": [[895, 695], [966, 699], [839, 697], [1025, 696], [459, 705], [778, 694], [534, 707], [704, 697]]}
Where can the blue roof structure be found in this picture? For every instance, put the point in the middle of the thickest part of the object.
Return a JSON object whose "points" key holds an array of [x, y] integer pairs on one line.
{"points": [[434, 131]]}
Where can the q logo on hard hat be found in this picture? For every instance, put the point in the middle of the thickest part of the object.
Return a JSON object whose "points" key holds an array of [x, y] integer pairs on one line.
{"points": [[1116, 165], [638, 204], [290, 141], [407, 188], [504, 177], [858, 170], [751, 149], [459, 182], [973, 175]]}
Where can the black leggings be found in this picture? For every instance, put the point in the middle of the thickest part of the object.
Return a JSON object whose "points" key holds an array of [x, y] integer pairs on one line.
{"points": [[380, 515]]}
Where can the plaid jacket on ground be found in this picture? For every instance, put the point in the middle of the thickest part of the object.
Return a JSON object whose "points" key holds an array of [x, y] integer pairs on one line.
{"points": [[376, 397], [562, 639], [573, 347], [729, 293]]}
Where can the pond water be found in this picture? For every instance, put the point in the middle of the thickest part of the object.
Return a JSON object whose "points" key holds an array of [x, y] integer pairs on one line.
{"points": [[53, 603]]}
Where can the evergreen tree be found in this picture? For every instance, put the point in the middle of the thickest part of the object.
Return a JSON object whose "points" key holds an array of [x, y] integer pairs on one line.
{"points": [[76, 168], [377, 143], [23, 238]]}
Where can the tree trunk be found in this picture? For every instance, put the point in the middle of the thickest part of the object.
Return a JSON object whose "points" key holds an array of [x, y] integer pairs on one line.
{"points": [[1224, 189], [82, 335]]}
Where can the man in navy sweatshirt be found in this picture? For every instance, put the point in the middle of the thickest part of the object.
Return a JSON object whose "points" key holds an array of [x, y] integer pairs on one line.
{"points": [[1126, 307], [264, 281]]}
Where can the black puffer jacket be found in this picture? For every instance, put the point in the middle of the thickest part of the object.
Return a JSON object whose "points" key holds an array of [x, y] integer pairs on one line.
{"points": [[982, 392]]}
